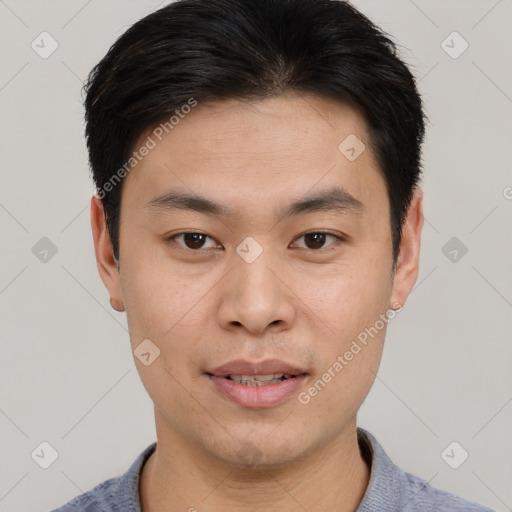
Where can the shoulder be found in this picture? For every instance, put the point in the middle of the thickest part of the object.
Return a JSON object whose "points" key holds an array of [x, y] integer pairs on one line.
{"points": [[390, 488], [419, 495], [117, 494], [99, 499]]}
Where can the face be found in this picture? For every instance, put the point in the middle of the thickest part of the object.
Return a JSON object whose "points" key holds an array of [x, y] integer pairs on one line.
{"points": [[288, 259]]}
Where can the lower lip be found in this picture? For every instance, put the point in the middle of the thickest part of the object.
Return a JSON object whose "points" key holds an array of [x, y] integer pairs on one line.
{"points": [[254, 397]]}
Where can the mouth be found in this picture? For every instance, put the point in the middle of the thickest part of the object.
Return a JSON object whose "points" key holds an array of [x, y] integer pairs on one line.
{"points": [[257, 385], [260, 380]]}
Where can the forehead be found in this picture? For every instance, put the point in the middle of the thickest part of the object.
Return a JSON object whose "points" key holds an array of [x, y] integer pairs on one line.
{"points": [[260, 149]]}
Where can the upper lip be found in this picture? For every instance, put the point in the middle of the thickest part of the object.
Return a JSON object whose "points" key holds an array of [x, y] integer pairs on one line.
{"points": [[266, 367]]}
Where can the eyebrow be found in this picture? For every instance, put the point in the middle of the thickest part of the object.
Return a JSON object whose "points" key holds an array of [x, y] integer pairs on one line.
{"points": [[335, 198]]}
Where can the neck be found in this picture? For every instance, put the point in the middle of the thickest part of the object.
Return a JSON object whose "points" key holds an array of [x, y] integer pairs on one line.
{"points": [[179, 476]]}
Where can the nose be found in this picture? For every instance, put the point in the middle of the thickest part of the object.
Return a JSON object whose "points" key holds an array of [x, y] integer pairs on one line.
{"points": [[256, 298]]}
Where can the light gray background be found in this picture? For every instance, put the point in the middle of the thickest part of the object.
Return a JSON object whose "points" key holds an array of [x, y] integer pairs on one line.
{"points": [[67, 374]]}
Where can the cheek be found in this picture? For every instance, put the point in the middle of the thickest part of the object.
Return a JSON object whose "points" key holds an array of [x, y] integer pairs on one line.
{"points": [[351, 349], [156, 295], [336, 394], [158, 308], [353, 308], [169, 309], [348, 298]]}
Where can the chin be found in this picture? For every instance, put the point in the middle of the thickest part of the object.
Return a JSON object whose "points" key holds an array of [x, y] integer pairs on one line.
{"points": [[264, 450]]}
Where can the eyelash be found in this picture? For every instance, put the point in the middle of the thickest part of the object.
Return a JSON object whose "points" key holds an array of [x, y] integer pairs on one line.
{"points": [[338, 238]]}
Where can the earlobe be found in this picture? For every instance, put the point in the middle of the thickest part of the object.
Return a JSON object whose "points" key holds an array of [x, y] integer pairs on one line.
{"points": [[114, 304], [108, 266]]}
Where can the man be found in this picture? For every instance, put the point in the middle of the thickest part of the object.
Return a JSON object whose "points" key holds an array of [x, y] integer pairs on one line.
{"points": [[258, 209]]}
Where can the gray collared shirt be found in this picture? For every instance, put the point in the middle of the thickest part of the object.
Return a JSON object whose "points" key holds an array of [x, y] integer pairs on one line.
{"points": [[390, 488]]}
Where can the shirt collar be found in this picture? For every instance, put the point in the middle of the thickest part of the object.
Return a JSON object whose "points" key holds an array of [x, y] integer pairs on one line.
{"points": [[127, 491], [383, 490], [383, 486]]}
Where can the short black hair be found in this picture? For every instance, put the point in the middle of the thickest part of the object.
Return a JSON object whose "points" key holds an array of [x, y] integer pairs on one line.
{"points": [[208, 50]]}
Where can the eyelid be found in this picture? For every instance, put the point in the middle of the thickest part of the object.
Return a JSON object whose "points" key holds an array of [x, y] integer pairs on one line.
{"points": [[171, 238], [339, 238]]}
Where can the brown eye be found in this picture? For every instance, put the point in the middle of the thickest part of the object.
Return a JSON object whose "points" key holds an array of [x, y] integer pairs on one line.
{"points": [[316, 239], [191, 240]]}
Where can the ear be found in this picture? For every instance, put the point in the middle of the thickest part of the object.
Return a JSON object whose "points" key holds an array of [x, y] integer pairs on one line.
{"points": [[104, 251], [408, 260]]}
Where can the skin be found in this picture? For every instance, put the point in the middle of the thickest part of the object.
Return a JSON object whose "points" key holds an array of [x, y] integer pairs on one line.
{"points": [[302, 305]]}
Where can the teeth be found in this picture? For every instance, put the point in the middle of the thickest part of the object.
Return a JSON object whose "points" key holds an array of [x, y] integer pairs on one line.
{"points": [[259, 380]]}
